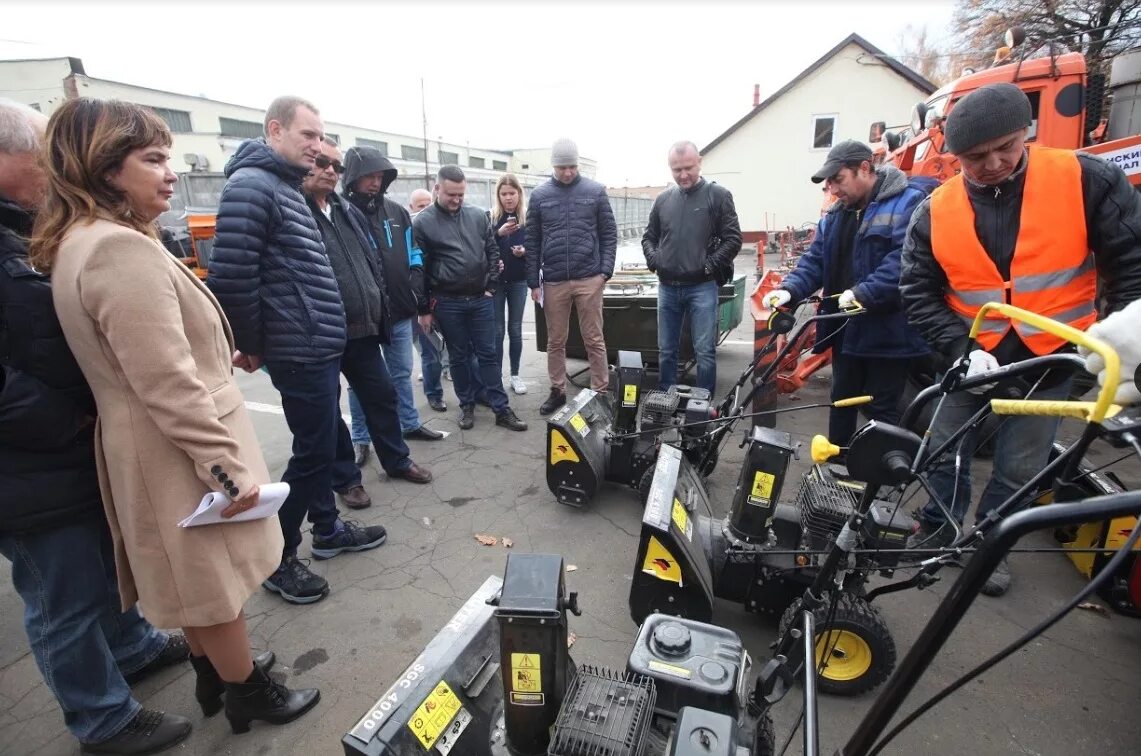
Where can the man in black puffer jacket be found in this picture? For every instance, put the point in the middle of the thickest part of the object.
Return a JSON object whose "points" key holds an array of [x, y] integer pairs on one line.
{"points": [[270, 273], [367, 176], [571, 241], [52, 526]]}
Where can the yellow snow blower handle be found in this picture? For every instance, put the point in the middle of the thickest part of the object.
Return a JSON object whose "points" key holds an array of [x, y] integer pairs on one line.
{"points": [[853, 401], [822, 449], [1093, 412]]}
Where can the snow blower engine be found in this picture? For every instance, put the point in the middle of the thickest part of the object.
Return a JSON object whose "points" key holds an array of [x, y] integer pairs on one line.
{"points": [[498, 680], [590, 440]]}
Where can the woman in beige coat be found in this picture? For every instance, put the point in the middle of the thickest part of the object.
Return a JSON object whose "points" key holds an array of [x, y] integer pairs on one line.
{"points": [[156, 350]]}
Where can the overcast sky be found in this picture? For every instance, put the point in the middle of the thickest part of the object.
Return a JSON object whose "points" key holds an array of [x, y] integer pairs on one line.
{"points": [[624, 79]]}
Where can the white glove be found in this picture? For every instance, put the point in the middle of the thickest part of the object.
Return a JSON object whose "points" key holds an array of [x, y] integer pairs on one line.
{"points": [[778, 298], [979, 362], [847, 300], [1122, 331]]}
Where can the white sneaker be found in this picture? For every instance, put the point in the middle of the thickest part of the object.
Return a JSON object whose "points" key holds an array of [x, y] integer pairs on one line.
{"points": [[517, 385]]}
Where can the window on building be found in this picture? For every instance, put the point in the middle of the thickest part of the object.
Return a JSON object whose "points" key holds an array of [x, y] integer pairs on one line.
{"points": [[232, 127], [499, 165], [412, 153], [474, 162], [823, 131], [375, 144], [335, 137], [448, 158], [525, 167], [178, 121]]}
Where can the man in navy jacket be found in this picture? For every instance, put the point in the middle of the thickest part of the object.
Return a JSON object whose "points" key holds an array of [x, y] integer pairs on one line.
{"points": [[855, 259]]}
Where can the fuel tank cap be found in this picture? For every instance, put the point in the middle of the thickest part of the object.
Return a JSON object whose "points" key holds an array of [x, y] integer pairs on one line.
{"points": [[671, 639]]}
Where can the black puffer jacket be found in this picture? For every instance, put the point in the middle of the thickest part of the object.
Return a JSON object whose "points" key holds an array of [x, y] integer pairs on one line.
{"points": [[391, 225], [1113, 227], [571, 232], [461, 257], [47, 446], [269, 270], [692, 234]]}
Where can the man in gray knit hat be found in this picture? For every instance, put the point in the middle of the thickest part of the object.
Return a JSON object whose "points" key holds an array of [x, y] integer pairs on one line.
{"points": [[571, 240], [1035, 227]]}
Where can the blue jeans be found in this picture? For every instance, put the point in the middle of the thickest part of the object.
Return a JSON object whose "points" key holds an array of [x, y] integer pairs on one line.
{"points": [[431, 366], [363, 367], [82, 641], [310, 397], [698, 302], [511, 295], [1022, 449], [398, 358], [468, 325]]}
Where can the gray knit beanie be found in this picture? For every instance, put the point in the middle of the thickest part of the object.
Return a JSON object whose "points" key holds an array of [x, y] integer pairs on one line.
{"points": [[564, 152], [987, 113]]}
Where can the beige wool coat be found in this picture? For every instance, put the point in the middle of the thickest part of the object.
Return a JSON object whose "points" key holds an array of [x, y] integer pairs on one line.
{"points": [[156, 349]]}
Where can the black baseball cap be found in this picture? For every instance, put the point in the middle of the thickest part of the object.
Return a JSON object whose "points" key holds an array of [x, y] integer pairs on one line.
{"points": [[848, 151]]}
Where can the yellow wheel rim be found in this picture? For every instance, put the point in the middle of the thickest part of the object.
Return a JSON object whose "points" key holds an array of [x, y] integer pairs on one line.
{"points": [[850, 657]]}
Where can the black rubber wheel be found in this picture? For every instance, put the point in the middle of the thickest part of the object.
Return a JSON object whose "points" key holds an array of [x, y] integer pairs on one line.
{"points": [[644, 484], [862, 656]]}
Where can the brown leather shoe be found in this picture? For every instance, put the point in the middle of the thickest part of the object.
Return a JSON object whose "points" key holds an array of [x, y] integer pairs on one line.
{"points": [[355, 498], [414, 474]]}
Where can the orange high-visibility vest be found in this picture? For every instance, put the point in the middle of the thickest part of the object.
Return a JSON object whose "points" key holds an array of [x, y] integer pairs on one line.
{"points": [[1052, 272]]}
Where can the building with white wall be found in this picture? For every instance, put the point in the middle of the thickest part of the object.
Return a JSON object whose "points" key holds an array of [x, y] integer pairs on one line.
{"points": [[767, 157], [207, 132]]}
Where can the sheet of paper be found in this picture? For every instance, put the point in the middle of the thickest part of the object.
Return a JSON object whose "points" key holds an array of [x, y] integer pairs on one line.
{"points": [[209, 511]]}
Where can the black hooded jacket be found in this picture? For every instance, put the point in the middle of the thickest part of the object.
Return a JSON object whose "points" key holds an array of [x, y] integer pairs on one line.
{"points": [[391, 224], [47, 444]]}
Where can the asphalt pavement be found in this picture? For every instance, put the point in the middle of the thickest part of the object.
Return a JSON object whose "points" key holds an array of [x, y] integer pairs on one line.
{"points": [[1073, 690]]}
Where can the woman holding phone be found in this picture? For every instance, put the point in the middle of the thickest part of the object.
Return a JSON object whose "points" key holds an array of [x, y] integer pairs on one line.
{"points": [[507, 219], [158, 354]]}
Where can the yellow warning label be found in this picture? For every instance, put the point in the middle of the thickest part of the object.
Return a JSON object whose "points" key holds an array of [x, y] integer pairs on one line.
{"points": [[763, 485], [561, 451], [526, 674], [434, 715], [629, 395], [681, 517], [578, 423], [660, 562], [670, 669]]}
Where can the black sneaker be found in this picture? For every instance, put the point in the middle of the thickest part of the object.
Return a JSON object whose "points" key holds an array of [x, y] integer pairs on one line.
{"points": [[347, 536], [176, 651], [149, 732], [467, 417], [554, 401], [439, 405], [295, 583], [999, 581], [509, 420]]}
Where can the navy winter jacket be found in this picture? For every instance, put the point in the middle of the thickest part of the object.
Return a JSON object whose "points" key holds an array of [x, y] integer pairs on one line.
{"points": [[571, 232], [269, 270], [883, 330], [48, 477]]}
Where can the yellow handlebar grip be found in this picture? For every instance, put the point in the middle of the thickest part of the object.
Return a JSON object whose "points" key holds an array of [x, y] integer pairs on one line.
{"points": [[1091, 412], [853, 401], [1049, 408], [823, 449]]}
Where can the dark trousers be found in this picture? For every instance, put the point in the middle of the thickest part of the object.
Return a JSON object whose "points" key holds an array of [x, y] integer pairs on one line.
{"points": [[364, 368], [468, 325], [310, 397], [883, 378]]}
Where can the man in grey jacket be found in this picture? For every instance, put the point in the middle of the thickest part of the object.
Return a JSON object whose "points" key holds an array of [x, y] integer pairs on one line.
{"points": [[691, 239], [571, 241]]}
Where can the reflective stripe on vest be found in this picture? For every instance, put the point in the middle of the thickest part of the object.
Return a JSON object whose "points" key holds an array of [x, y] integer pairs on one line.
{"points": [[1052, 272]]}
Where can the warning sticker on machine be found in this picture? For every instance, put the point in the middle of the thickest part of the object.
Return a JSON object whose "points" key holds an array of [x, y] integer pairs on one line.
{"points": [[681, 519], [630, 395], [526, 673], [762, 492], [561, 451], [451, 736], [527, 699], [660, 563], [434, 714], [579, 424], [670, 669]]}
